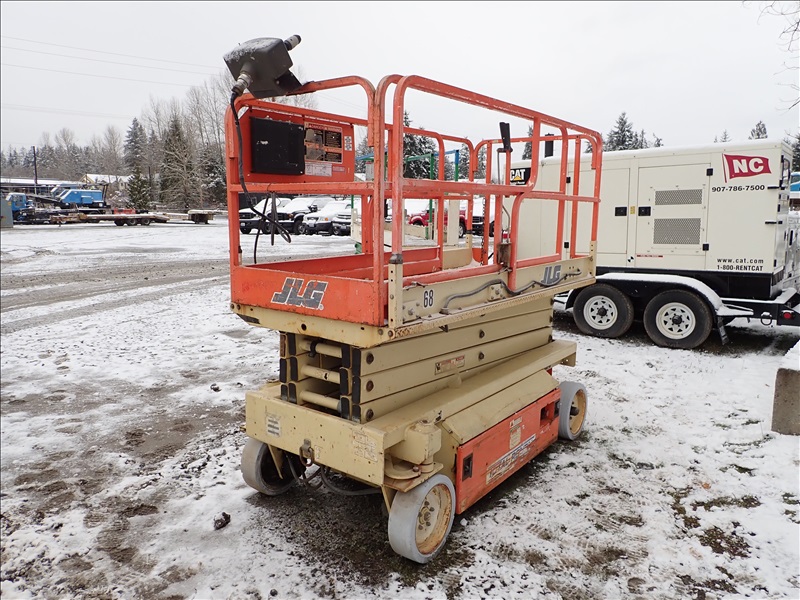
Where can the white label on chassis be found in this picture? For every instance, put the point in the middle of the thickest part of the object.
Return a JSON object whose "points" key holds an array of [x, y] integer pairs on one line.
{"points": [[273, 425]]}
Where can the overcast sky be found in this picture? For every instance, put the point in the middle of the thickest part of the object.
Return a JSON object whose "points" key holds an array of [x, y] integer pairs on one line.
{"points": [[684, 71]]}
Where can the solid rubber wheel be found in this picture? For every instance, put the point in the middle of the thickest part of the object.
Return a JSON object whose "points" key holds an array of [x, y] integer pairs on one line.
{"points": [[260, 473], [603, 311], [677, 319], [420, 519], [572, 408]]}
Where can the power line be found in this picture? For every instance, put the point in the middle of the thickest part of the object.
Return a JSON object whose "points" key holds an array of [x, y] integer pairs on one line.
{"points": [[61, 111], [112, 53], [100, 76], [111, 62]]}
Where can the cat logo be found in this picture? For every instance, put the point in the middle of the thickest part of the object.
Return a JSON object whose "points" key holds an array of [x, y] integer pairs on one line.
{"points": [[520, 176], [293, 293]]}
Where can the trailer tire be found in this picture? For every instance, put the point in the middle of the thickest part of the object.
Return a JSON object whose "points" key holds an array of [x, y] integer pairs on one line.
{"points": [[145, 222], [119, 222], [603, 311], [574, 405], [411, 534], [259, 471], [677, 319], [131, 222]]}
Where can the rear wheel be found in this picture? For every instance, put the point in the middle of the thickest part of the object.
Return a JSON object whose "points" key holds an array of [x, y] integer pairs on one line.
{"points": [[603, 311], [462, 229], [145, 222], [119, 222], [677, 319], [420, 519], [259, 470], [572, 408]]}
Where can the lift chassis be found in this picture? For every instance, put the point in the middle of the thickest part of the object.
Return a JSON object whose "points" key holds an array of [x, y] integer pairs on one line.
{"points": [[423, 373]]}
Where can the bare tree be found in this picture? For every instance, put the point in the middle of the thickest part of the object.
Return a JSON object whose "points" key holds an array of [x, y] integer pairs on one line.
{"points": [[790, 13]]}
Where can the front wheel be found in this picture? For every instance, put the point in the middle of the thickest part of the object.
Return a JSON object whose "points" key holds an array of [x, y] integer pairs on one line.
{"points": [[259, 470], [462, 229], [245, 230], [677, 319], [603, 311], [420, 519], [572, 408], [298, 225]]}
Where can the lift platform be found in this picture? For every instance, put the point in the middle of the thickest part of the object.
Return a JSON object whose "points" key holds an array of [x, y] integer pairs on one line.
{"points": [[422, 371]]}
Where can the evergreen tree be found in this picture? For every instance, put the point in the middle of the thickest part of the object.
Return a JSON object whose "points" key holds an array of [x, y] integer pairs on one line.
{"points": [[362, 149], [139, 196], [723, 138], [135, 146], [464, 164], [527, 152], [212, 176], [795, 152], [178, 185], [622, 136], [416, 145], [759, 132]]}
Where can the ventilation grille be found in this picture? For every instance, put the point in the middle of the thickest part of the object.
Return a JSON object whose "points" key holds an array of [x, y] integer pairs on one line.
{"points": [[678, 197], [676, 231]]}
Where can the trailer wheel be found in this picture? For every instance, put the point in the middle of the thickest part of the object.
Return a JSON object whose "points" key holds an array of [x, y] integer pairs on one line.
{"points": [[119, 222], [260, 473], [420, 519], [572, 408], [677, 319], [145, 222], [603, 311], [131, 222]]}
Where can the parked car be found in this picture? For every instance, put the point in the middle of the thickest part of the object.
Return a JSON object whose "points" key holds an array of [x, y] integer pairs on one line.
{"points": [[290, 214], [420, 215], [249, 219], [478, 221], [321, 221], [342, 221]]}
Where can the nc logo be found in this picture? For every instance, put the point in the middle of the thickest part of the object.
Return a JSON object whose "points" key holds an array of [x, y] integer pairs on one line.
{"points": [[552, 275], [745, 166], [293, 293]]}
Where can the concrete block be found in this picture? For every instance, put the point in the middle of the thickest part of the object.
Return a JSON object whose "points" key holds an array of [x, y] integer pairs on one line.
{"points": [[786, 404]]}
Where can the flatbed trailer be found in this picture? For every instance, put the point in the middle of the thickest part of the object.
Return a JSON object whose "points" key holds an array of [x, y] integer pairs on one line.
{"points": [[423, 372]]}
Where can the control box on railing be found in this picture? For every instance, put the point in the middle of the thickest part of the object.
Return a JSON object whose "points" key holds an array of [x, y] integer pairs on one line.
{"points": [[289, 148]]}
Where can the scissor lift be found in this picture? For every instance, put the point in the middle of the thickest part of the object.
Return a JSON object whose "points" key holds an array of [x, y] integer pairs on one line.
{"points": [[424, 372]]}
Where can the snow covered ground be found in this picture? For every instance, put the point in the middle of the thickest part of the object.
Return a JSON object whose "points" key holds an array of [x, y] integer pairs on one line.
{"points": [[123, 380]]}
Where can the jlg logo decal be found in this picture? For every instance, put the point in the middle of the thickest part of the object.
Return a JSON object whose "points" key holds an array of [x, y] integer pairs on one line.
{"points": [[745, 166], [293, 293]]}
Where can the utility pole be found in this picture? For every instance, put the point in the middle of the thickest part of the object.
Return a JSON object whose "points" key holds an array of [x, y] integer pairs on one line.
{"points": [[35, 171]]}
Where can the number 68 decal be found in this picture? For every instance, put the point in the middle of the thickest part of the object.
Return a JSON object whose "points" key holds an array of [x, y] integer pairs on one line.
{"points": [[427, 299]]}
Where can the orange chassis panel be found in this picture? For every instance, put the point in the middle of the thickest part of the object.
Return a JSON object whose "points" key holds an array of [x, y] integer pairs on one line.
{"points": [[487, 460]]}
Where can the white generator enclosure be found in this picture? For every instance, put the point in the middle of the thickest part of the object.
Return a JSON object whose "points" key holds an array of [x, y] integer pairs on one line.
{"points": [[714, 216]]}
